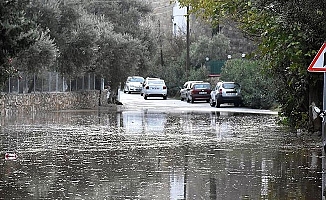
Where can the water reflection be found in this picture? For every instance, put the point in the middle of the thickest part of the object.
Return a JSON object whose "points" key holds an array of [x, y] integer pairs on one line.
{"points": [[151, 155], [143, 122]]}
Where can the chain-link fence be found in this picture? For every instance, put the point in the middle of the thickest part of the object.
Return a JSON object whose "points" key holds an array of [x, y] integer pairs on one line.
{"points": [[52, 82]]}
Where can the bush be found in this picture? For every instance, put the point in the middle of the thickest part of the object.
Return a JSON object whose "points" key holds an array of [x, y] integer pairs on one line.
{"points": [[258, 88]]}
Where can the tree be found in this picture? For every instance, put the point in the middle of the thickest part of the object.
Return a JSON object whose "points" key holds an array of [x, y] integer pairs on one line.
{"points": [[17, 33], [104, 37], [214, 48], [126, 47], [128, 18]]}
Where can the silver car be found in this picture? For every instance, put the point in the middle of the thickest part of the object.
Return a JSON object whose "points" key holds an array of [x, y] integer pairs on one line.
{"points": [[133, 84], [186, 87], [226, 92], [155, 88]]}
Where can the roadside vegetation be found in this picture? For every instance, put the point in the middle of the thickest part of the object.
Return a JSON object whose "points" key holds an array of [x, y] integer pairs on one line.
{"points": [[288, 34], [115, 39], [258, 87]]}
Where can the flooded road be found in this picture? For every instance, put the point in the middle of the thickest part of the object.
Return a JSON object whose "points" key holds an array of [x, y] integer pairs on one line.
{"points": [[156, 150]]}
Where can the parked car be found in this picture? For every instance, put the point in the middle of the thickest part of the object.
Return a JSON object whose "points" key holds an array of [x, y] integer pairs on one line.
{"points": [[199, 92], [186, 87], [145, 82], [133, 84], [226, 92], [155, 88]]}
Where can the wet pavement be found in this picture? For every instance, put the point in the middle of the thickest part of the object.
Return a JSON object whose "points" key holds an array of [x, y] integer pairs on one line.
{"points": [[143, 153]]}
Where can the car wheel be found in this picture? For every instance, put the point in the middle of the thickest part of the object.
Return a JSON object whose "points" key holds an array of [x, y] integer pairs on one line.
{"points": [[129, 92], [164, 97], [211, 103], [236, 104], [182, 99], [141, 94], [124, 91]]}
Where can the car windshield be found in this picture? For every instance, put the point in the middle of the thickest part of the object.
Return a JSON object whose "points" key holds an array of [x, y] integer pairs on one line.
{"points": [[231, 85], [202, 86], [136, 80], [159, 82]]}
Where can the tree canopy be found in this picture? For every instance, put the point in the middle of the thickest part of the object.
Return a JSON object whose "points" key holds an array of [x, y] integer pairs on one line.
{"points": [[76, 37], [17, 34]]}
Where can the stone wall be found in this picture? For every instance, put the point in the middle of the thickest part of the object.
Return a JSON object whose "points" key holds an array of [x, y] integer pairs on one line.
{"points": [[36, 102]]}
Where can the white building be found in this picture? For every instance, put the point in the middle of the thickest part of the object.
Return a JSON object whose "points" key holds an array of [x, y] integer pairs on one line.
{"points": [[179, 20]]}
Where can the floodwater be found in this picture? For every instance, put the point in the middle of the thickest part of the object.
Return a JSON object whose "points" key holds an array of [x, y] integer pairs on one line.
{"points": [[138, 154]]}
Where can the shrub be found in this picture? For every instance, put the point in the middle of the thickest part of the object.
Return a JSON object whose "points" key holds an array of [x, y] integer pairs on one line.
{"points": [[258, 88]]}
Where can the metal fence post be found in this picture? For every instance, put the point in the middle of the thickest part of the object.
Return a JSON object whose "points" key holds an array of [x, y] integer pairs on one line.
{"points": [[63, 83], [56, 82], [94, 81], [89, 81]]}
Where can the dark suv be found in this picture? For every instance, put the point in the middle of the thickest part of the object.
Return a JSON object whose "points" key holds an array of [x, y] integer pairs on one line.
{"points": [[226, 92]]}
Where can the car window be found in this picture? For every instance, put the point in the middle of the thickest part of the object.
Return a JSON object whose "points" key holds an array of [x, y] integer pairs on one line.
{"points": [[202, 86], [231, 85], [161, 82], [136, 80]]}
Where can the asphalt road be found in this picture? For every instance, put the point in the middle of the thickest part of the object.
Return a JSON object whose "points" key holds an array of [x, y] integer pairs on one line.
{"points": [[136, 101]]}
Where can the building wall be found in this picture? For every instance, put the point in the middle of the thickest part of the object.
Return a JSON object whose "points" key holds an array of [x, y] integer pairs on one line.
{"points": [[179, 20]]}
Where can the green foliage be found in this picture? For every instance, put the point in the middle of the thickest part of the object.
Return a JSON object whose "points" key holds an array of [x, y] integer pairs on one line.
{"points": [[105, 37], [17, 34], [258, 88], [137, 43], [78, 52], [214, 48], [39, 57], [125, 15], [198, 74]]}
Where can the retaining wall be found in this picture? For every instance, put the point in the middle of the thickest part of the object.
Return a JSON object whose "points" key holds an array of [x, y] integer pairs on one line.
{"points": [[53, 101]]}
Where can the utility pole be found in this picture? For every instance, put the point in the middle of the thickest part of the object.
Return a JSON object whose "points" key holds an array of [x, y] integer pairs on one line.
{"points": [[188, 32], [319, 65], [324, 135]]}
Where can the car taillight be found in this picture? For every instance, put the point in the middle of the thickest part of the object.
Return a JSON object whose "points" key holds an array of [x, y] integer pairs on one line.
{"points": [[164, 87], [220, 91], [147, 87]]}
